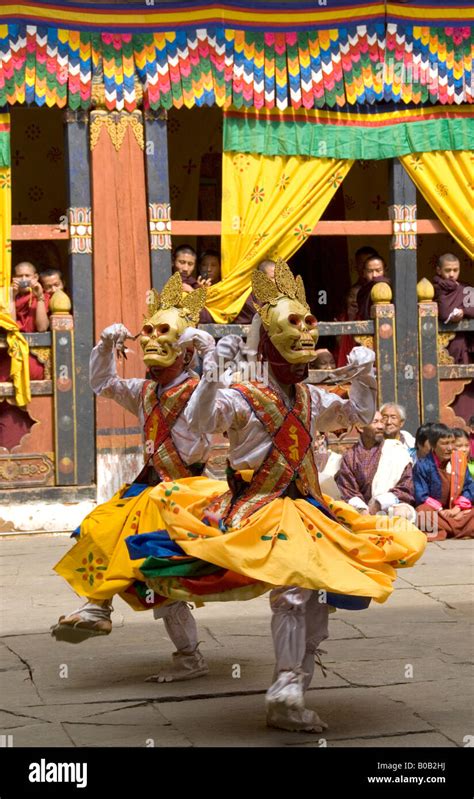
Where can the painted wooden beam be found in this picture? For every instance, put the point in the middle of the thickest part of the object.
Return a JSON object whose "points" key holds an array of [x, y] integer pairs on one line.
{"points": [[199, 227]]}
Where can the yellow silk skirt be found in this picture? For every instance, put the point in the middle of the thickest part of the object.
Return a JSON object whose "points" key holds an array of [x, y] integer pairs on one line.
{"points": [[98, 566], [291, 542]]}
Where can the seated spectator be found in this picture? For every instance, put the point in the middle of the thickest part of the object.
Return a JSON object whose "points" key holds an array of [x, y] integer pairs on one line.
{"points": [[422, 443], [376, 474], [374, 272], [461, 441], [210, 267], [456, 302], [51, 280], [248, 309], [393, 417], [444, 489], [328, 464], [324, 360]]}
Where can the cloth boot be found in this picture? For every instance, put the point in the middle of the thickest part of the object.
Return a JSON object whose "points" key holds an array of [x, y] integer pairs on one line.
{"points": [[299, 624], [187, 662]]}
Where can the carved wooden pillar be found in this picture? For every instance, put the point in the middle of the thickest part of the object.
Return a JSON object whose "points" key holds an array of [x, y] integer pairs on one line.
{"points": [[159, 209], [64, 388], [428, 348], [122, 274], [383, 314], [402, 211], [80, 270]]}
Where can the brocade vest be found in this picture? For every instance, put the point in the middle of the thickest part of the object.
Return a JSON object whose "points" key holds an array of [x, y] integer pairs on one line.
{"points": [[289, 459], [160, 416]]}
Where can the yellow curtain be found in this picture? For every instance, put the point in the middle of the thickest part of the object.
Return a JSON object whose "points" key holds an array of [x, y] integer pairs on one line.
{"points": [[270, 204], [446, 181], [19, 353], [17, 344], [5, 211]]}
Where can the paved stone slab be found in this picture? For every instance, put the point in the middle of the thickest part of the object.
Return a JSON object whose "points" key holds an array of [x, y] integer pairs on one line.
{"points": [[18, 718], [423, 740], [453, 567], [9, 661], [9, 566], [395, 671], [445, 704], [404, 607], [363, 650], [456, 597], [41, 735], [18, 690], [106, 735], [350, 712]]}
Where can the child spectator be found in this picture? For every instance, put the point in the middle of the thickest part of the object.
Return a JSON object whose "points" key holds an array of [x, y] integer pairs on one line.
{"points": [[51, 280], [444, 489], [422, 443]]}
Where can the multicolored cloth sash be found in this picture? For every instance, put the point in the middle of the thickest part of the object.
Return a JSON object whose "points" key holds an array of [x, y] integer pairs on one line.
{"points": [[290, 458], [160, 416], [458, 476]]}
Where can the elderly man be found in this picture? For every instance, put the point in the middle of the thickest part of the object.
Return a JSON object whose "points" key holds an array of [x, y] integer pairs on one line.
{"points": [[394, 417], [376, 474]]}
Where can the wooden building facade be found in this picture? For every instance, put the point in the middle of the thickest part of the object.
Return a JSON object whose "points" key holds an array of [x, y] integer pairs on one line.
{"points": [[330, 87]]}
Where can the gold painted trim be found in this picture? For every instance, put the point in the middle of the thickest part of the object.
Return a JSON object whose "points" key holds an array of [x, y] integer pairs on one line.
{"points": [[116, 124], [443, 355]]}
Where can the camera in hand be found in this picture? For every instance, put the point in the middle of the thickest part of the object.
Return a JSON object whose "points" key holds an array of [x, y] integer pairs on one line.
{"points": [[24, 283]]}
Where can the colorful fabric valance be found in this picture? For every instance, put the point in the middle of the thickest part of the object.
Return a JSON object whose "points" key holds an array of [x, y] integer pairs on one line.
{"points": [[353, 64], [263, 15], [349, 134]]}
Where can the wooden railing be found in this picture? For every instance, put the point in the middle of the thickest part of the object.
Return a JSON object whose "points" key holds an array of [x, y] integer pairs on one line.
{"points": [[57, 463]]}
